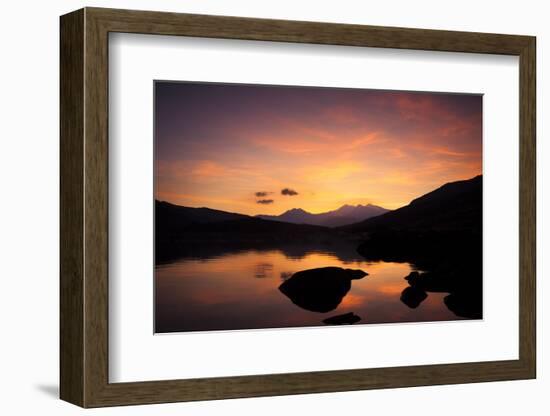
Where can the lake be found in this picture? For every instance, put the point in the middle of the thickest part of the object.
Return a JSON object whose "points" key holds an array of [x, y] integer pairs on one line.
{"points": [[240, 290]]}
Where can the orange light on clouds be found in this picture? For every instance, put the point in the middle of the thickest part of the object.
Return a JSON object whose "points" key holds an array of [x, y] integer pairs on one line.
{"points": [[217, 145]]}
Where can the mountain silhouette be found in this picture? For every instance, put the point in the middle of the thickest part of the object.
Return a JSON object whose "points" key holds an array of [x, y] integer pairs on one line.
{"points": [[346, 214], [204, 232], [441, 234], [179, 221], [440, 225], [177, 217], [453, 206]]}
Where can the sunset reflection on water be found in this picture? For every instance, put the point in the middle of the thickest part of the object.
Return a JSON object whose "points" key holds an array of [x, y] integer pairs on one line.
{"points": [[241, 291]]}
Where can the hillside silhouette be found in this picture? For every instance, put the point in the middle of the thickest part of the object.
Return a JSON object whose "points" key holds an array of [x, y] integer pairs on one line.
{"points": [[441, 224], [346, 214], [182, 232], [455, 206], [439, 233]]}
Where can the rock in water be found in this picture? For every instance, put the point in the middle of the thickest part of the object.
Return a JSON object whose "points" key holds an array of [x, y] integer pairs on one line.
{"points": [[320, 290], [465, 304], [344, 319], [430, 281], [413, 296]]}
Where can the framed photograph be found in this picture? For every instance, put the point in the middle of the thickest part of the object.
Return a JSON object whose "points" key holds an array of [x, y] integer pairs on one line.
{"points": [[255, 207]]}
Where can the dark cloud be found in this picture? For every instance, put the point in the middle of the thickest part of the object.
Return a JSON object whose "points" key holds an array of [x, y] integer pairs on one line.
{"points": [[262, 194], [264, 201], [288, 192]]}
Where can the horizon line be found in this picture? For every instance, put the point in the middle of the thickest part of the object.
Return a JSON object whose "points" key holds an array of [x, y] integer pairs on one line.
{"points": [[275, 215], [318, 213]]}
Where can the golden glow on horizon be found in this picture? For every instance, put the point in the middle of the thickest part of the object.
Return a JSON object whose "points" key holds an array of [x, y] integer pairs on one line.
{"points": [[388, 152]]}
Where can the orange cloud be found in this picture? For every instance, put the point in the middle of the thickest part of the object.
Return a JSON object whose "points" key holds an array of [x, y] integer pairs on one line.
{"points": [[208, 168], [333, 145]]}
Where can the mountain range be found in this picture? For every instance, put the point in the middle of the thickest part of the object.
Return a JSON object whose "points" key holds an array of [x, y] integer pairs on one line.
{"points": [[346, 214], [455, 206], [179, 224], [440, 233]]}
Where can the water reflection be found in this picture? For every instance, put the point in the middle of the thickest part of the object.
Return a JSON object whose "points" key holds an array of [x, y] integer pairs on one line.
{"points": [[236, 289], [343, 249], [263, 270]]}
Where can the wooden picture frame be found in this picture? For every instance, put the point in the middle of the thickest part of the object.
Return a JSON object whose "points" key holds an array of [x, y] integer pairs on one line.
{"points": [[84, 207]]}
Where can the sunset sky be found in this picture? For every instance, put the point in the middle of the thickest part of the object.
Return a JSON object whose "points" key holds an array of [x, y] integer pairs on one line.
{"points": [[258, 149]]}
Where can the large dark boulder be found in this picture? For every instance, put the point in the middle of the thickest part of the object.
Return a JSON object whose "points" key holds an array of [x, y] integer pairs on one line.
{"points": [[320, 290], [413, 296]]}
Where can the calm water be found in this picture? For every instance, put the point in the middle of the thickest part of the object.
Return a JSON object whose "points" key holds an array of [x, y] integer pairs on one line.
{"points": [[241, 291]]}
